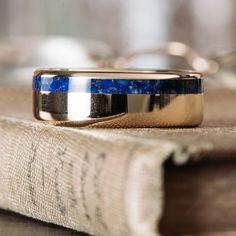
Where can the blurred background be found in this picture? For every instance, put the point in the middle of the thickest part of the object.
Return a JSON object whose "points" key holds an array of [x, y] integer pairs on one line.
{"points": [[154, 34]]}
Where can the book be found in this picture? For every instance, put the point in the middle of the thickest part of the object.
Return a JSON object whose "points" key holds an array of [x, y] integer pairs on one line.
{"points": [[120, 181]]}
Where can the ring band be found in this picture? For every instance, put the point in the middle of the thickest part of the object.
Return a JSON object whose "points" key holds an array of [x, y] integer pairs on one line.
{"points": [[118, 98]]}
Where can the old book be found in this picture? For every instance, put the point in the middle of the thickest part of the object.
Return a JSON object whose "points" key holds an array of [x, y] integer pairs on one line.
{"points": [[121, 181]]}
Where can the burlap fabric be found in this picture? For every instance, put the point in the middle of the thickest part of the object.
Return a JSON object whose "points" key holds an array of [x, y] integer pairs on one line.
{"points": [[104, 182]]}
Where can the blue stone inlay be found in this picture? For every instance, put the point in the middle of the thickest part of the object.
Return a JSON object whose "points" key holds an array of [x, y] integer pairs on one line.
{"points": [[51, 84], [119, 86]]}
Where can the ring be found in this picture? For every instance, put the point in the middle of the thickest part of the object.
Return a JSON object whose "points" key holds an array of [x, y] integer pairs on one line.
{"points": [[118, 98]]}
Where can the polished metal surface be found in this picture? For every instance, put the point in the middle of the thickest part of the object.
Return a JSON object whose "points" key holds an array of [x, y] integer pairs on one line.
{"points": [[119, 110], [124, 98], [117, 73]]}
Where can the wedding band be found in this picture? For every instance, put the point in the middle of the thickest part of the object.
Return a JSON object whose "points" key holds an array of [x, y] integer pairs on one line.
{"points": [[118, 98]]}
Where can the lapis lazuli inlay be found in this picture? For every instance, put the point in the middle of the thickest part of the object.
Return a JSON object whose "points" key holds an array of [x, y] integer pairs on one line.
{"points": [[117, 86], [53, 84]]}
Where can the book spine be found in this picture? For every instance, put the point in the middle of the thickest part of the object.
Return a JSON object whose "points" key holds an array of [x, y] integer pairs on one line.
{"points": [[80, 179]]}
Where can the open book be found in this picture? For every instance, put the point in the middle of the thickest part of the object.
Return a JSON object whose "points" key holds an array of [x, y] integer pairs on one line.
{"points": [[129, 182]]}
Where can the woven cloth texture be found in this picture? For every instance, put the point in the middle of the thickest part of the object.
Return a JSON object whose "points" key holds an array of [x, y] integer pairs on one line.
{"points": [[100, 181]]}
